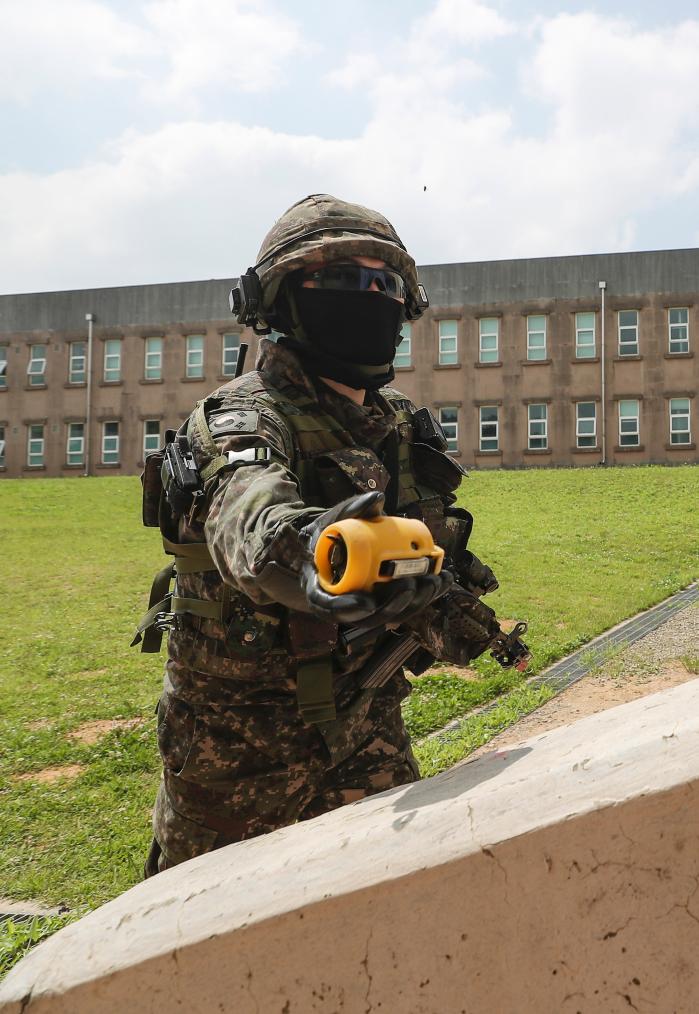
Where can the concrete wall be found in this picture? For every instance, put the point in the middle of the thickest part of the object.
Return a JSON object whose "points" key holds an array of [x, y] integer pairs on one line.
{"points": [[560, 876]]}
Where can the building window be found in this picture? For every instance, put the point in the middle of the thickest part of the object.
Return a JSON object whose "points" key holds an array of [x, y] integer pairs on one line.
{"points": [[679, 421], [538, 427], [153, 366], [449, 421], [36, 369], [195, 355], [585, 336], [112, 360], [2, 446], [110, 443], [151, 436], [3, 366], [231, 349], [35, 445], [404, 349], [489, 438], [586, 424], [628, 423], [536, 337], [678, 323], [75, 446], [448, 353], [77, 363], [628, 332], [488, 331]]}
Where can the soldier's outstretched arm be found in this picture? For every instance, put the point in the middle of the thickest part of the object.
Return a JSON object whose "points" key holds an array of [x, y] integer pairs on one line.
{"points": [[254, 517]]}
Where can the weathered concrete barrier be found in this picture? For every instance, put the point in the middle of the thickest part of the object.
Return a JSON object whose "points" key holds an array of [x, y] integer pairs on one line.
{"points": [[560, 876]]}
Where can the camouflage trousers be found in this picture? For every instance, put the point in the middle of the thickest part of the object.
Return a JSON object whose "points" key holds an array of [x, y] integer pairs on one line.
{"points": [[232, 771]]}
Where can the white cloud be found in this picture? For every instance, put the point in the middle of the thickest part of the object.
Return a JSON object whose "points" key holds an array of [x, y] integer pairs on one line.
{"points": [[45, 44], [182, 47], [460, 21], [221, 42], [194, 200]]}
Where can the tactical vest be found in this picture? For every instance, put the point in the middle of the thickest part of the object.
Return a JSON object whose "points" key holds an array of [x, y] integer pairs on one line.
{"points": [[416, 478]]}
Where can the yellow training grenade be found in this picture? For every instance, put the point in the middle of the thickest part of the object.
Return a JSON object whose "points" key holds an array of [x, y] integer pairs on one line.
{"points": [[355, 554]]}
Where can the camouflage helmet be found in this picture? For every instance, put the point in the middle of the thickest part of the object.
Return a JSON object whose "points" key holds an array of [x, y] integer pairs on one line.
{"points": [[321, 228]]}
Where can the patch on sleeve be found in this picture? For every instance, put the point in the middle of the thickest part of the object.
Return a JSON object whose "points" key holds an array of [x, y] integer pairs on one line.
{"points": [[233, 421]]}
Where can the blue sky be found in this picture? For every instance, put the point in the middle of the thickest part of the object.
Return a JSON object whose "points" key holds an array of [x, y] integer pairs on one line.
{"points": [[157, 141]]}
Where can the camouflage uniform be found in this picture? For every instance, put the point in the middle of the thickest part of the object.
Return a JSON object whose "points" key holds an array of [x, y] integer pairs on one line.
{"points": [[239, 759]]}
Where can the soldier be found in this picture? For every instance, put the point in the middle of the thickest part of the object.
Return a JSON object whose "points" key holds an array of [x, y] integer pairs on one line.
{"points": [[261, 722]]}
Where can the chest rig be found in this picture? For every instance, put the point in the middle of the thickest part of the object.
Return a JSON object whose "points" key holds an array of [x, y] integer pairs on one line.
{"points": [[330, 467]]}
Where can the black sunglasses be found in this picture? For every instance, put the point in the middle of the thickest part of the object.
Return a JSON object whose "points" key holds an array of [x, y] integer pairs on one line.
{"points": [[352, 277]]}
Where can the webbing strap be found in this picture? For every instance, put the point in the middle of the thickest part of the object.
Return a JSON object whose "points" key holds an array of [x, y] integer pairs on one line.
{"points": [[190, 557], [158, 602], [214, 467], [203, 431], [314, 691], [198, 607]]}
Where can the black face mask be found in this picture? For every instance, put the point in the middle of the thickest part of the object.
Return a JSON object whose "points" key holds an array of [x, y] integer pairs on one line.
{"points": [[349, 336]]}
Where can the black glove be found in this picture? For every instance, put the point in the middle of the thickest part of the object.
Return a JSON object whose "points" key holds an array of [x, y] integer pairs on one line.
{"points": [[390, 603], [475, 576]]}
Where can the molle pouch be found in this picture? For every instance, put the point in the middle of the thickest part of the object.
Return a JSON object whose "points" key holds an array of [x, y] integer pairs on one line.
{"points": [[251, 633], [436, 469], [152, 483], [345, 473]]}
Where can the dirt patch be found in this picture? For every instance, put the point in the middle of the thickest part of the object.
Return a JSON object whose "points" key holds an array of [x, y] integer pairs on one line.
{"points": [[454, 670], [49, 775], [39, 723], [592, 694], [90, 732]]}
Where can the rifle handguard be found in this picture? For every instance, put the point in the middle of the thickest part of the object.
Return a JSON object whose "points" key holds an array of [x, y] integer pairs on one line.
{"points": [[356, 554]]}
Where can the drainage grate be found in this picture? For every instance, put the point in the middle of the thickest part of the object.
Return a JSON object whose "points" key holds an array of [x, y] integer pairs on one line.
{"points": [[569, 670]]}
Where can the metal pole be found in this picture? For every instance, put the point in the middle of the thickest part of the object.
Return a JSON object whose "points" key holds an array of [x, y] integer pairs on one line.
{"points": [[89, 317], [603, 409]]}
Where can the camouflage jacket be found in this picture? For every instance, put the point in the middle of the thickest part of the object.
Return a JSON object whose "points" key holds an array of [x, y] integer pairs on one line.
{"points": [[254, 511]]}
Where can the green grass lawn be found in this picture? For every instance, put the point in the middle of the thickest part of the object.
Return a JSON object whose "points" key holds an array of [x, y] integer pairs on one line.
{"points": [[575, 552]]}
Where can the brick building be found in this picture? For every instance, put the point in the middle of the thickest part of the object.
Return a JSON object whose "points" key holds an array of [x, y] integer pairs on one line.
{"points": [[549, 361]]}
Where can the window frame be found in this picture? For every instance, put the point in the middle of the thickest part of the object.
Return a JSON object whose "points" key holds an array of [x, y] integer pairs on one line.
{"points": [[70, 437], [189, 367], [630, 433], [107, 370], [77, 376], [228, 369], [628, 327], [3, 367], [579, 436], [146, 450], [3, 445], [36, 439], [447, 424], [402, 350], [536, 331], [153, 370], [533, 422], [37, 378], [445, 354], [488, 422], [488, 355], [111, 436], [579, 346], [670, 325], [685, 414]]}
